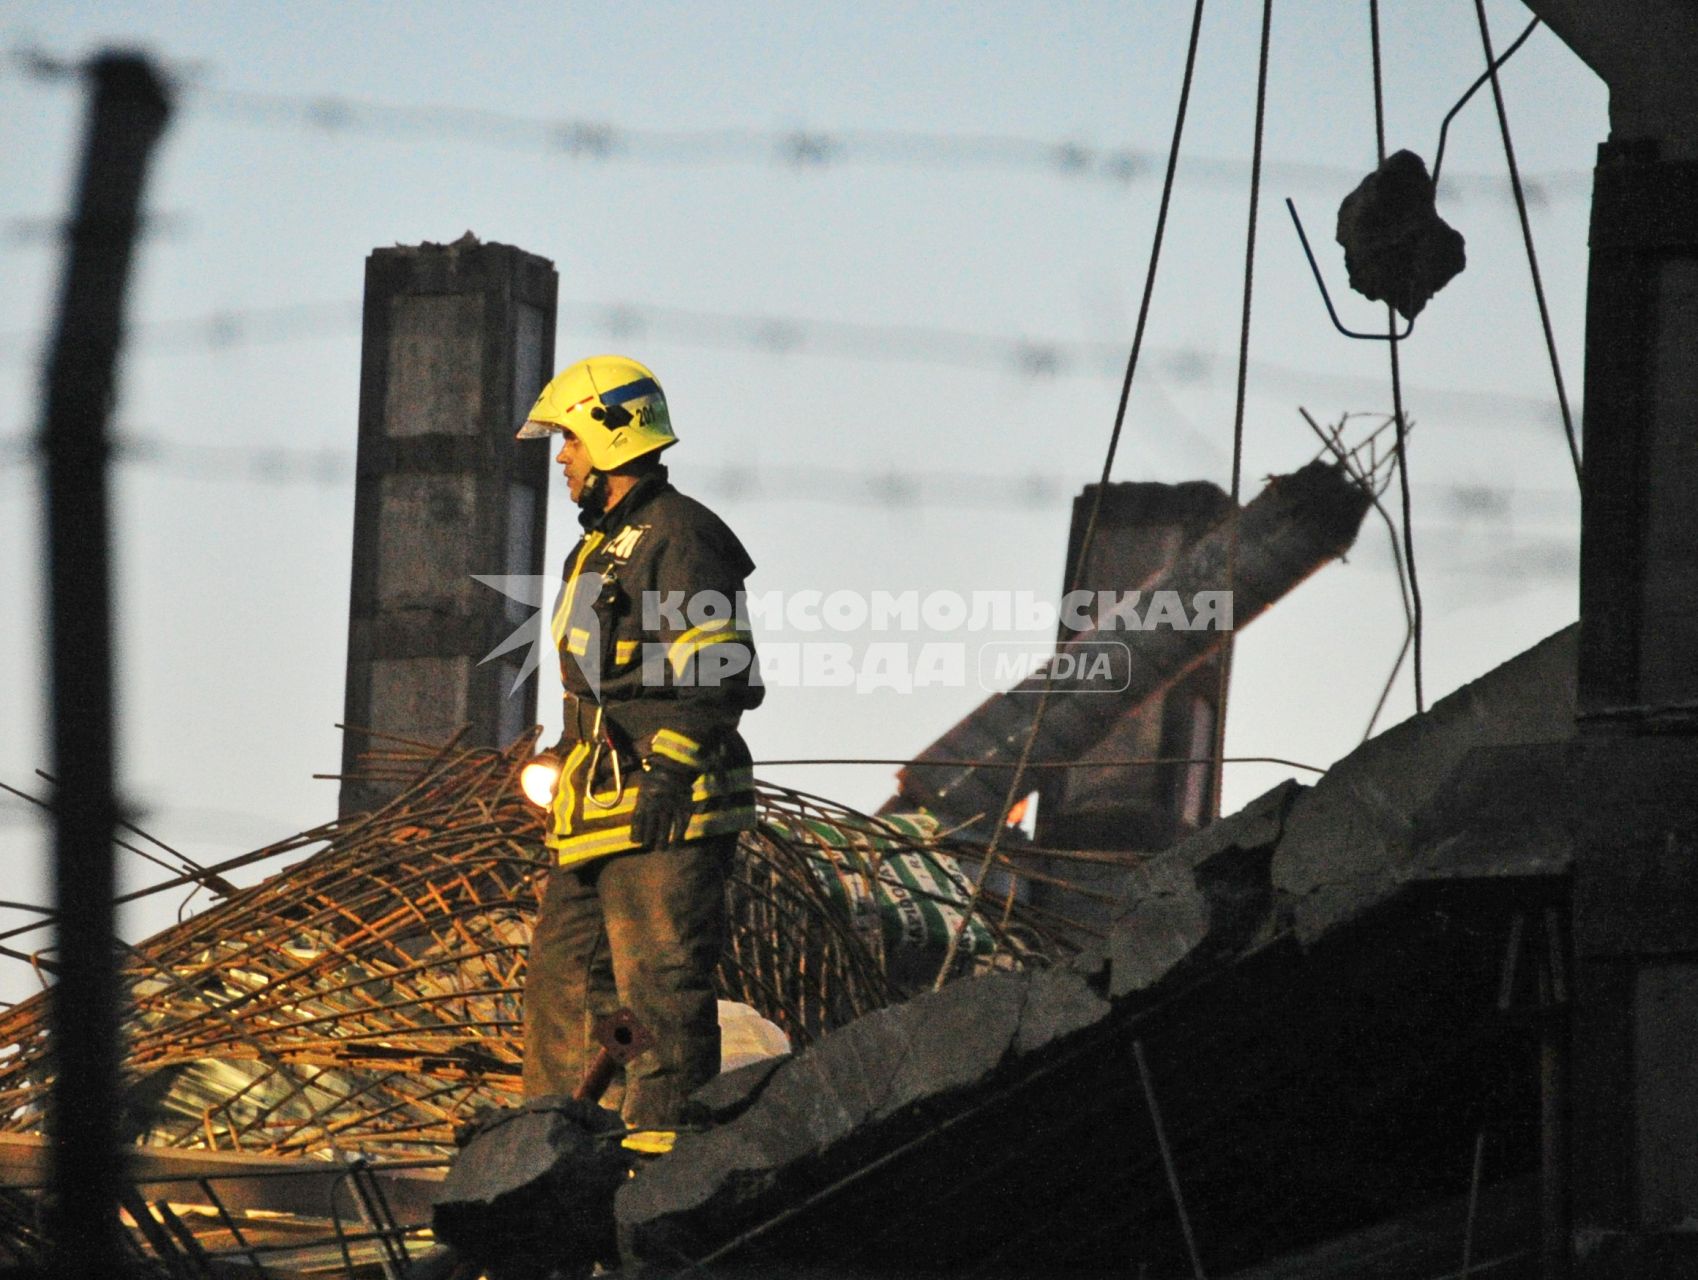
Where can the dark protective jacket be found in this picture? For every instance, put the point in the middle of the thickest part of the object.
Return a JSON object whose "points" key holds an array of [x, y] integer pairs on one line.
{"points": [[657, 661]]}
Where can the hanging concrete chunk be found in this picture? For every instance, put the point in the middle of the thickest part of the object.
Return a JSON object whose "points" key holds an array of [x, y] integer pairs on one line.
{"points": [[1396, 247]]}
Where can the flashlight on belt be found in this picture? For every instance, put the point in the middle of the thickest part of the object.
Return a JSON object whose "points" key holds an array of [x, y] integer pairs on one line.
{"points": [[539, 778]]}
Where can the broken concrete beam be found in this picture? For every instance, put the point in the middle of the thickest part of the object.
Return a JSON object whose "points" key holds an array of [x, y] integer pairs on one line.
{"points": [[1507, 813], [884, 1079], [1295, 525], [1313, 858], [896, 1094], [1205, 898], [1352, 835], [531, 1191]]}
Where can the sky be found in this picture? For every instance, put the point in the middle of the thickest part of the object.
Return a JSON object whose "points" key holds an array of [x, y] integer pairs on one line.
{"points": [[892, 349]]}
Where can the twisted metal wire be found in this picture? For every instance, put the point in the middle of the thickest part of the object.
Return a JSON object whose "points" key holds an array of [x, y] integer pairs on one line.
{"points": [[370, 996]]}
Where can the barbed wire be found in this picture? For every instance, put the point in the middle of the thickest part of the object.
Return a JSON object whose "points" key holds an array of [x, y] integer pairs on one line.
{"points": [[603, 141], [944, 487], [1032, 357], [771, 333], [214, 330], [159, 225]]}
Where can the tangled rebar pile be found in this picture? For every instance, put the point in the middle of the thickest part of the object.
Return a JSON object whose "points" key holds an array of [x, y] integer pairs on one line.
{"points": [[367, 997]]}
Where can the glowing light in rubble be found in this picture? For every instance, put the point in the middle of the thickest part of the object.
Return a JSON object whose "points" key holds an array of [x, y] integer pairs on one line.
{"points": [[538, 780]]}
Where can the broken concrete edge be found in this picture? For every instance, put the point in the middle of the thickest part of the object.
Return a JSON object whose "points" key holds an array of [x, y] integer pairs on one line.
{"points": [[1202, 901], [886, 1080], [1394, 774], [468, 242], [533, 1186], [727, 1096], [1350, 836], [1311, 859], [468, 239], [1507, 814], [1297, 860]]}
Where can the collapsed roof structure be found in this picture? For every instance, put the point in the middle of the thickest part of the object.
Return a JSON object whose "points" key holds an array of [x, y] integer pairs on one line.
{"points": [[1303, 1021], [366, 998], [1218, 1072], [1331, 1034]]}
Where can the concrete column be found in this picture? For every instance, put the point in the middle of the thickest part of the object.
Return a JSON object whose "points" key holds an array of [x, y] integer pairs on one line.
{"points": [[1140, 529], [1639, 508], [458, 341], [1634, 1121]]}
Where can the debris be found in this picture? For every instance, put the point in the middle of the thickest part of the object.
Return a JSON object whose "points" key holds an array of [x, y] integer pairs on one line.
{"points": [[531, 1192], [1297, 524], [369, 996], [997, 1127], [1189, 905], [868, 1086], [363, 999], [1396, 247]]}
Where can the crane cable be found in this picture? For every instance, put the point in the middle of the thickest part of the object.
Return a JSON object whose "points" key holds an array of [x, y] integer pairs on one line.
{"points": [[1225, 667], [1398, 420], [1527, 237], [1015, 777]]}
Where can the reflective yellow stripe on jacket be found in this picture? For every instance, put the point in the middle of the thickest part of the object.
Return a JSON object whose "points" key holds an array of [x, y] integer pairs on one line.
{"points": [[589, 824], [569, 593], [693, 641], [725, 803]]}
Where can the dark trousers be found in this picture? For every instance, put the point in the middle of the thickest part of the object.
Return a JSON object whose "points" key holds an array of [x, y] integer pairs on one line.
{"points": [[641, 930]]}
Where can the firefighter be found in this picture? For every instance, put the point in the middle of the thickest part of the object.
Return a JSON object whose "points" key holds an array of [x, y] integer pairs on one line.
{"points": [[655, 781]]}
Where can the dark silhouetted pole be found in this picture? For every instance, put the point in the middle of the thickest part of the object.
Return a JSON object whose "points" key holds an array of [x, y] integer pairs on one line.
{"points": [[126, 119]]}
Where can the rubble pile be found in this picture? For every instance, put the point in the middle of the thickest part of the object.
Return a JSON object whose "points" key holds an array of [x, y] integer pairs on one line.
{"points": [[368, 996]]}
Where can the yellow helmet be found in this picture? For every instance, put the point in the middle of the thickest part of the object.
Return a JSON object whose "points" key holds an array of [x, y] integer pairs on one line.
{"points": [[611, 403]]}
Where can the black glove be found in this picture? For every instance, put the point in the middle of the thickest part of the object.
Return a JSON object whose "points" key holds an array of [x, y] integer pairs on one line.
{"points": [[662, 815]]}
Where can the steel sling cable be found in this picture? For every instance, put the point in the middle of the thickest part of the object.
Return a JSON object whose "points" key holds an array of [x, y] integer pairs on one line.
{"points": [[1226, 648], [1399, 425], [1014, 778], [1391, 526], [1527, 237], [1444, 126]]}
